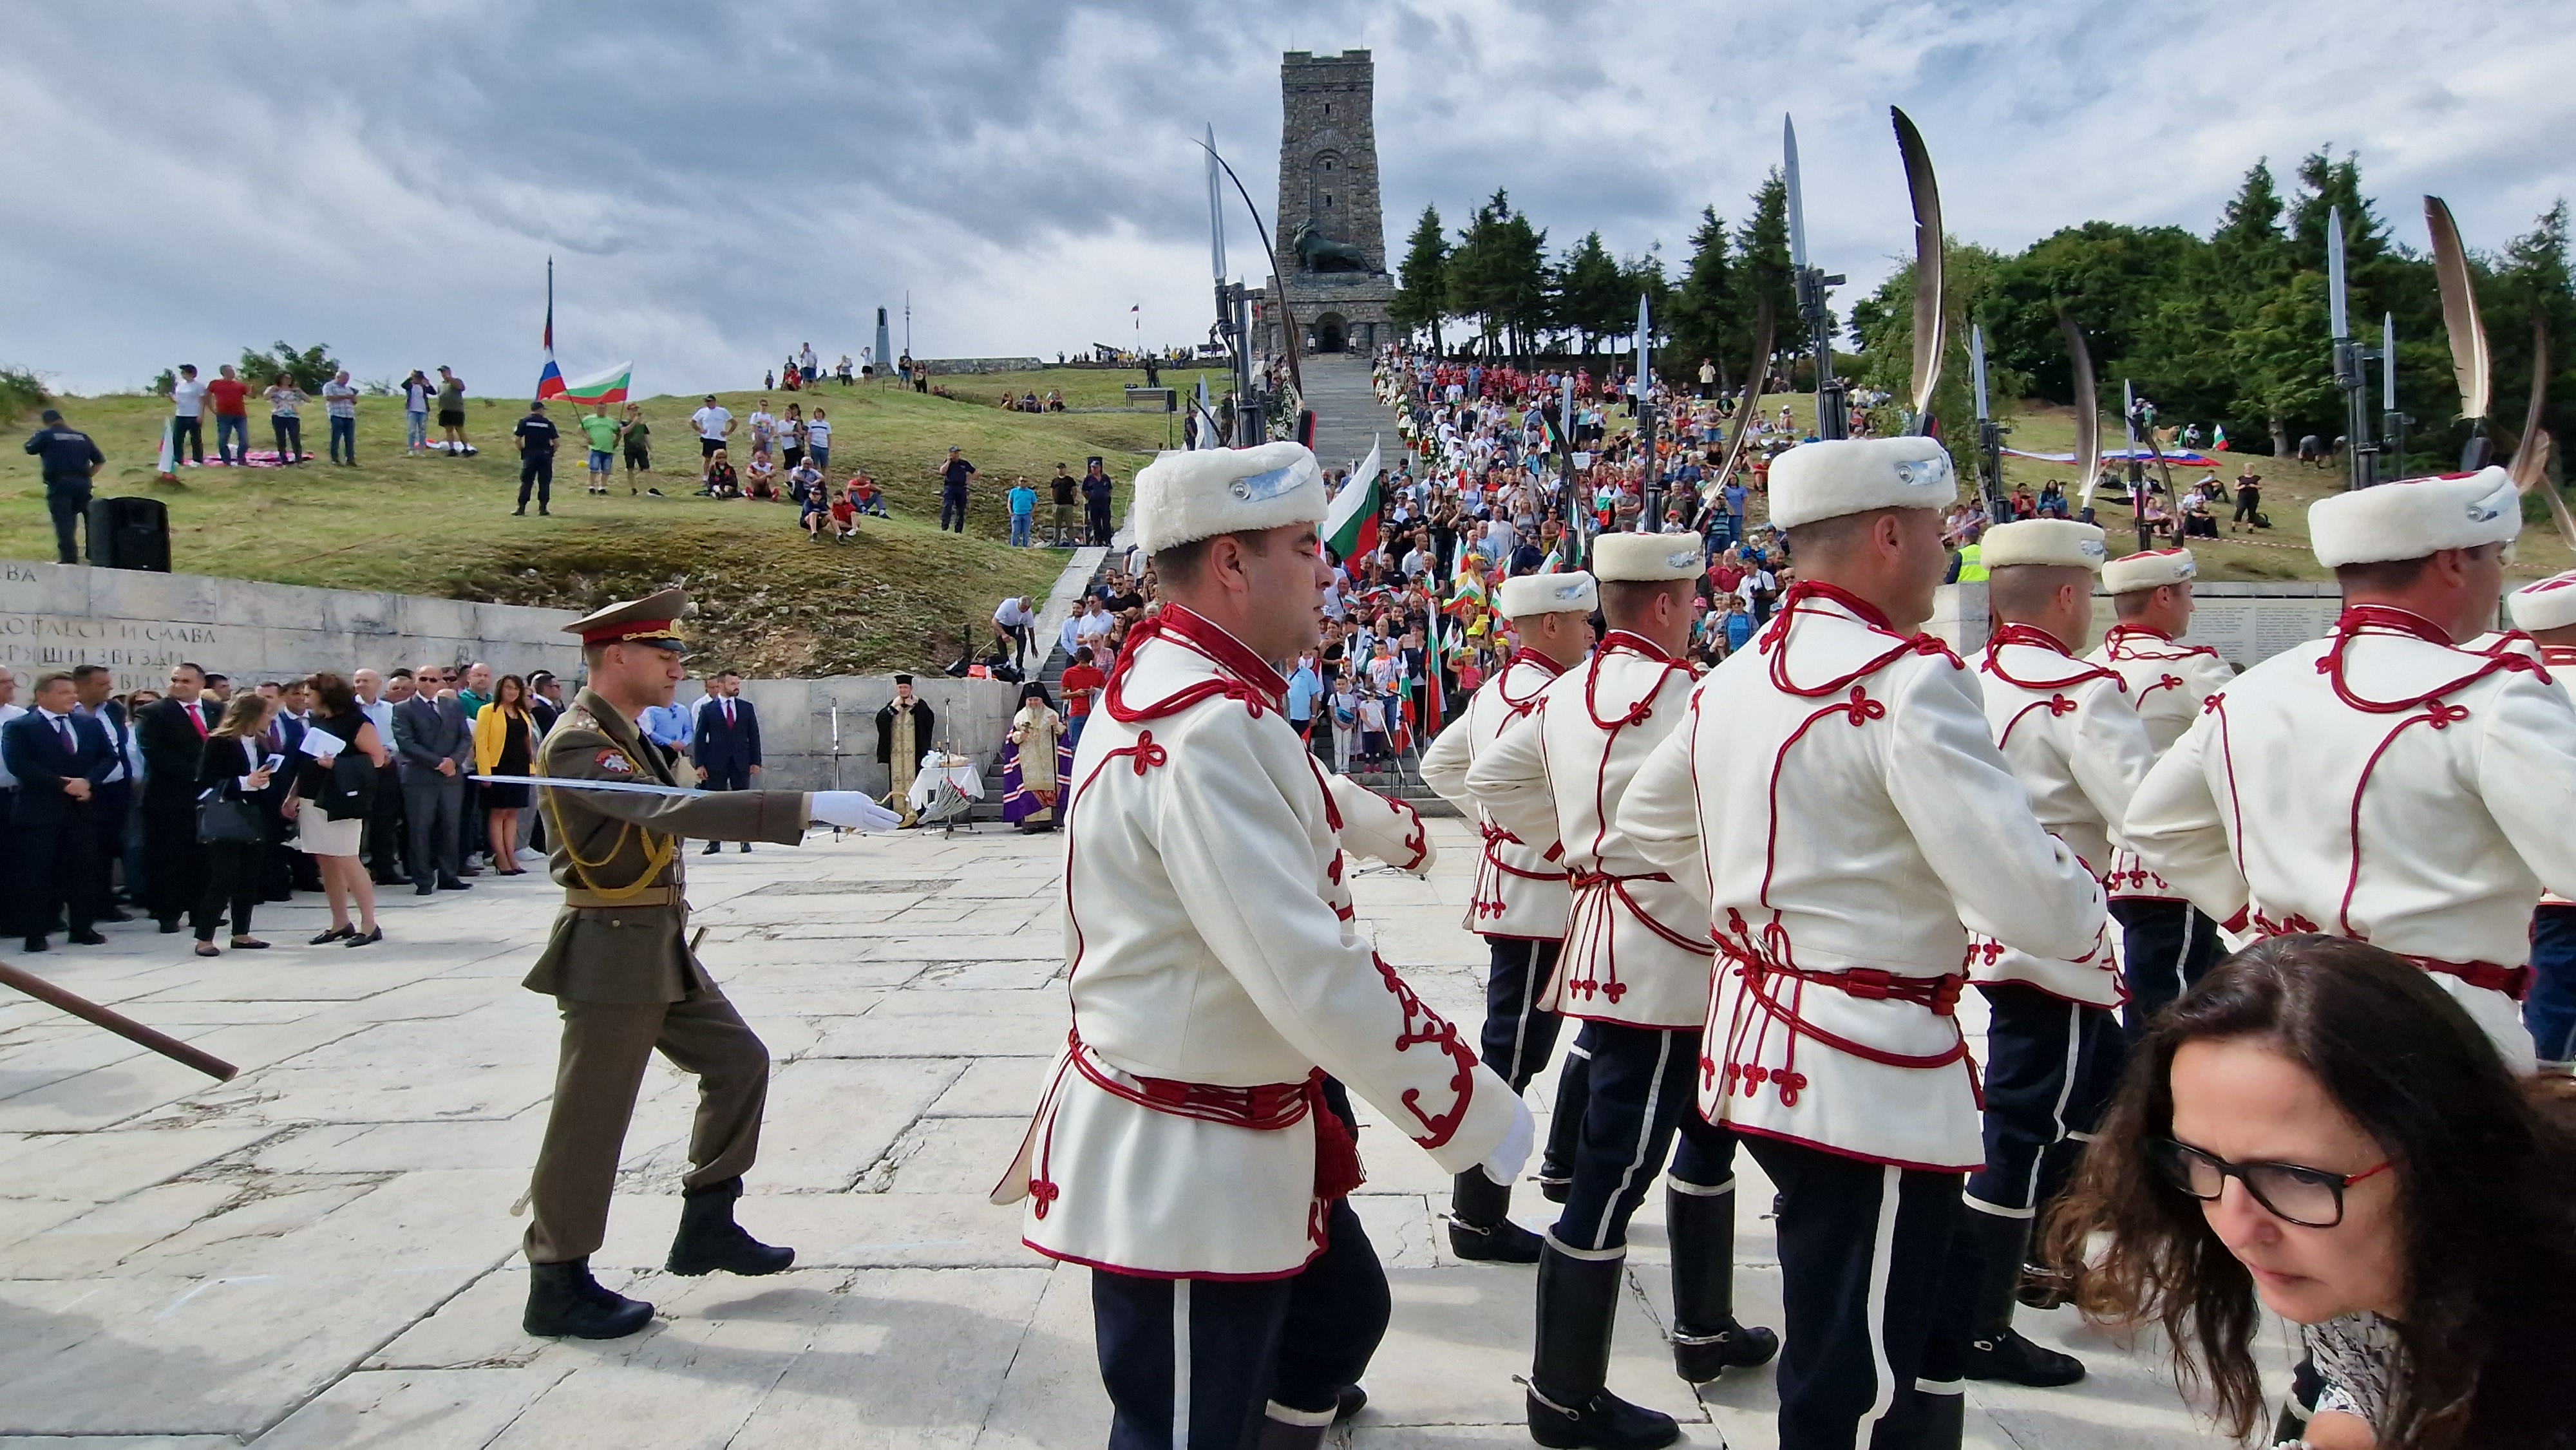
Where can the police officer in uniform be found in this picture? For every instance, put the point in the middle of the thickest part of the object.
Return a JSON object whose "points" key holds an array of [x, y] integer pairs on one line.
{"points": [[2053, 1047], [71, 460], [1636, 971], [619, 966], [2166, 943], [1518, 906], [1836, 792]]}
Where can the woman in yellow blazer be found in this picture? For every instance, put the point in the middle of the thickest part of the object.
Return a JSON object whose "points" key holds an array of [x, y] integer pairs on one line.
{"points": [[505, 742]]}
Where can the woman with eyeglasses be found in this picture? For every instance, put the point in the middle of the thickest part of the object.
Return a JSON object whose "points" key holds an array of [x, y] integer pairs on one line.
{"points": [[2318, 1130]]}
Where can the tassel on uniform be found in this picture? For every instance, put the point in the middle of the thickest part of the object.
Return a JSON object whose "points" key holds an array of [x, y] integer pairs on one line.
{"points": [[1338, 1173]]}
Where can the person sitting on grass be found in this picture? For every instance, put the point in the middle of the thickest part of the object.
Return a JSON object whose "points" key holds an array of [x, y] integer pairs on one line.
{"points": [[814, 516], [805, 481], [722, 481], [865, 496], [845, 520], [760, 480]]}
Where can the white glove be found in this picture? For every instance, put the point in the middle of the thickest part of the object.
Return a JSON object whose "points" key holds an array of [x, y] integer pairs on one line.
{"points": [[1512, 1154], [850, 809]]}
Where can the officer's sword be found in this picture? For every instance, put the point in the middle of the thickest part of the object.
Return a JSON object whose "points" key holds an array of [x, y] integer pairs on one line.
{"points": [[621, 787]]}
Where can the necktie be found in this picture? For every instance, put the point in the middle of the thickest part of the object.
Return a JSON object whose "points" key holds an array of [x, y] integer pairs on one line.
{"points": [[728, 709], [197, 717], [63, 728]]}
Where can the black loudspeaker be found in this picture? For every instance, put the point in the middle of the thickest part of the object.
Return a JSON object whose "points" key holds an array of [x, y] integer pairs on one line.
{"points": [[129, 533], [1306, 426]]}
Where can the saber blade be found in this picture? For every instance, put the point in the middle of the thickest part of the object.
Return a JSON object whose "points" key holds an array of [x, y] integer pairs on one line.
{"points": [[1797, 206]]}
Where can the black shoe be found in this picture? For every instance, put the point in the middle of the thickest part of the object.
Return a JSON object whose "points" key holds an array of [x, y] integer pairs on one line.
{"points": [[746, 848], [87, 938], [542, 513], [170, 926], [563, 1299], [1480, 1225], [1349, 1400], [1708, 1340], [372, 936], [1570, 1406], [2016, 1360], [452, 884], [712, 848], [334, 934], [112, 914], [1555, 1190], [424, 887], [520, 512], [709, 1239], [2044, 1286]]}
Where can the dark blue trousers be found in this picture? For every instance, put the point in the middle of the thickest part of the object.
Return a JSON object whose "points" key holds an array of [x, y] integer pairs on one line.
{"points": [[2550, 1011], [1642, 1085]]}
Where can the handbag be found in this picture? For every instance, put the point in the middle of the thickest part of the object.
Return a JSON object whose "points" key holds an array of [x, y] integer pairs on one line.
{"points": [[225, 818]]}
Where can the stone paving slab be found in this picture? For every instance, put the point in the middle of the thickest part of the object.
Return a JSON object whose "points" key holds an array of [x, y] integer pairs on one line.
{"points": [[323, 1253]]}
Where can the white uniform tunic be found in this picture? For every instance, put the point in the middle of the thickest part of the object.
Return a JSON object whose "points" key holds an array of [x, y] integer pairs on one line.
{"points": [[1838, 796], [1519, 891], [2167, 682], [2076, 744], [1214, 972], [1636, 940], [2383, 785]]}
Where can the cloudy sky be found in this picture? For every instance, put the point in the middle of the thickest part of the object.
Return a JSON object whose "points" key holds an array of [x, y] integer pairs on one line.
{"points": [[718, 183]]}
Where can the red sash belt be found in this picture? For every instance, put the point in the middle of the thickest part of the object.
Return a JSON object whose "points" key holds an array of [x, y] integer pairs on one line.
{"points": [[1583, 881], [1939, 995], [2514, 982], [1496, 837], [1876, 984], [1265, 1108]]}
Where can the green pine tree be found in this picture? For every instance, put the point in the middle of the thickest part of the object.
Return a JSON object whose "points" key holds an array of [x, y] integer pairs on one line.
{"points": [[1421, 298]]}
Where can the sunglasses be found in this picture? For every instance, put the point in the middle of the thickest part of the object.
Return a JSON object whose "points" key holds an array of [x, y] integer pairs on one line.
{"points": [[2308, 1197]]}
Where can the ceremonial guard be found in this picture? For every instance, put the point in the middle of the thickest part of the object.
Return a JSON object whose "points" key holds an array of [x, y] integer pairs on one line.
{"points": [[1835, 793], [1635, 970], [2053, 1045], [2165, 941], [1518, 905], [2384, 783], [1192, 1147], [2547, 612], [619, 966]]}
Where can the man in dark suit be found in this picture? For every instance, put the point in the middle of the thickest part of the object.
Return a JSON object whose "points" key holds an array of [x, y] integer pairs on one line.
{"points": [[172, 731], [437, 750], [727, 741], [59, 758], [112, 806]]}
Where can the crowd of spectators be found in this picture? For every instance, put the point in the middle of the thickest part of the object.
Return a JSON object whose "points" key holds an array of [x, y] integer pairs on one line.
{"points": [[195, 805]]}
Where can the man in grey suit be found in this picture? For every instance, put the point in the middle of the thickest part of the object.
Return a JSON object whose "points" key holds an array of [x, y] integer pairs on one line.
{"points": [[437, 750]]}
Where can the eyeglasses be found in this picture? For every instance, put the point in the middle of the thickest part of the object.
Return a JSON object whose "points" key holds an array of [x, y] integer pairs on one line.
{"points": [[2308, 1197]]}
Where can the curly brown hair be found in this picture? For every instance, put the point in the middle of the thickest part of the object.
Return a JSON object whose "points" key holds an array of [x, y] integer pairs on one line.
{"points": [[2486, 1175]]}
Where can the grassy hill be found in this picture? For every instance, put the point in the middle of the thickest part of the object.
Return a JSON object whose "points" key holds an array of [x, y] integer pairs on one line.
{"points": [[770, 602], [2279, 553]]}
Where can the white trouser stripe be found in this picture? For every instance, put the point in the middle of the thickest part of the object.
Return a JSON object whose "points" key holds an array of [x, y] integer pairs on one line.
{"points": [[1699, 1191], [1645, 1132], [1286, 1416], [1970, 1200], [1529, 1000], [2057, 1112], [2190, 926], [1589, 1256], [1881, 1251], [1180, 1364]]}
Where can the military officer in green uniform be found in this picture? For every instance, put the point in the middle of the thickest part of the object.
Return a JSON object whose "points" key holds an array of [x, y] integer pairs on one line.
{"points": [[619, 966]]}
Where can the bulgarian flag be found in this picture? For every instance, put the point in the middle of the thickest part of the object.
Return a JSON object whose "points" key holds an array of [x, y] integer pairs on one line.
{"points": [[597, 390], [1350, 521], [2218, 440]]}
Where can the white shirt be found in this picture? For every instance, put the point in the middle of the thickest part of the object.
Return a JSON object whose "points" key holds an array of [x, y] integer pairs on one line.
{"points": [[1070, 636], [1093, 628], [711, 421], [2426, 824], [187, 398], [7, 714], [818, 432], [1013, 614], [1851, 821], [118, 741]]}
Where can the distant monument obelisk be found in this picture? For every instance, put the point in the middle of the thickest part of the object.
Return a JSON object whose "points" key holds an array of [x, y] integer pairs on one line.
{"points": [[1332, 240], [885, 345]]}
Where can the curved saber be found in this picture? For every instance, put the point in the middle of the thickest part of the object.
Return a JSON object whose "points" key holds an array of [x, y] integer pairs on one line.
{"points": [[620, 787], [1930, 318], [2088, 422]]}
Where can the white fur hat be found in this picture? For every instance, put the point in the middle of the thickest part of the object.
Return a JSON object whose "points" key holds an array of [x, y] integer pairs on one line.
{"points": [[1647, 558], [2549, 604], [2414, 517], [1197, 494], [1527, 594], [2153, 569], [2062, 543], [1827, 480]]}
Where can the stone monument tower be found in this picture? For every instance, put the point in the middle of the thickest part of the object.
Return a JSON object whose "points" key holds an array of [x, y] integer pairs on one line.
{"points": [[1331, 245]]}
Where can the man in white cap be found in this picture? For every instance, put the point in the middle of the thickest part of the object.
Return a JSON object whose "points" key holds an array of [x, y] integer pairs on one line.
{"points": [[2166, 943], [1519, 902], [2383, 783], [2547, 612], [1837, 794], [1193, 1147], [2053, 1045], [1635, 970]]}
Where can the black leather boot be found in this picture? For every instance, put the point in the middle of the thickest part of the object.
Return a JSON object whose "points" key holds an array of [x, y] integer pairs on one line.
{"points": [[1994, 1246], [709, 1239], [1570, 1404], [1480, 1225], [1707, 1340], [563, 1299], [1565, 1124]]}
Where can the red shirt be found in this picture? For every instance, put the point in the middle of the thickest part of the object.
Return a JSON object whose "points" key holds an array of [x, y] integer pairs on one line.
{"points": [[228, 394], [1078, 683]]}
